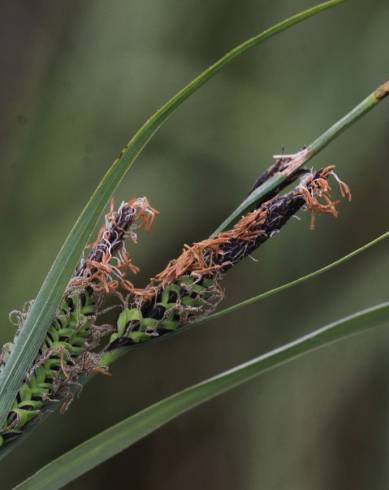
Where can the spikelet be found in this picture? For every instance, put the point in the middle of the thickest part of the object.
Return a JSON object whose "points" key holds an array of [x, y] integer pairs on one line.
{"points": [[67, 351], [189, 287]]}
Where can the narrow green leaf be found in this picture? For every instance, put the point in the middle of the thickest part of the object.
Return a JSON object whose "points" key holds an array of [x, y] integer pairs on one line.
{"points": [[30, 339], [99, 448]]}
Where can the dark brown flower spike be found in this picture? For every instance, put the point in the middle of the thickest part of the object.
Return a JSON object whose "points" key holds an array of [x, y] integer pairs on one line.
{"points": [[189, 287]]}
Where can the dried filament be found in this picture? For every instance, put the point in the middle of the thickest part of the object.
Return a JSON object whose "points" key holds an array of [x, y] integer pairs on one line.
{"points": [[189, 287]]}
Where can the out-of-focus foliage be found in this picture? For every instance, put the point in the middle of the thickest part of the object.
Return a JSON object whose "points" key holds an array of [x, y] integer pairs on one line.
{"points": [[78, 78]]}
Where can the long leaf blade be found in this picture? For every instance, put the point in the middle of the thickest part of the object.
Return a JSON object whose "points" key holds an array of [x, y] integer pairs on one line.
{"points": [[30, 339], [99, 448]]}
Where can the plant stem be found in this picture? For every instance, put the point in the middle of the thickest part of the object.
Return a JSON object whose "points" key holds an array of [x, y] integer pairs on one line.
{"points": [[361, 109], [293, 162]]}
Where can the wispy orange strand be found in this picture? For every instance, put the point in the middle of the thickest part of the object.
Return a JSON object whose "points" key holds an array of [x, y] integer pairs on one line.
{"points": [[189, 288], [106, 265], [207, 256]]}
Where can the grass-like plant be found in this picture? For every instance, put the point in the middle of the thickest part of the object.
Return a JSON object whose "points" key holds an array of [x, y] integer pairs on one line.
{"points": [[61, 342]]}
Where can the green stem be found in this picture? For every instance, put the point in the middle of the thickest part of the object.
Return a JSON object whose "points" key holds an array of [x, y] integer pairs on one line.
{"points": [[293, 162], [361, 109], [117, 438]]}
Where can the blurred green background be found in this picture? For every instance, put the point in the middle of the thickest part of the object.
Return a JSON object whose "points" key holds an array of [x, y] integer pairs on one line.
{"points": [[77, 79]]}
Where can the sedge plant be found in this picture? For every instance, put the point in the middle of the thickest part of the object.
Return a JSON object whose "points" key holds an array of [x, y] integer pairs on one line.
{"points": [[61, 342]]}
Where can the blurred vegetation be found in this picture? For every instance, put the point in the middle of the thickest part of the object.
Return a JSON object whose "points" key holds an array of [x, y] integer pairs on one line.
{"points": [[78, 78]]}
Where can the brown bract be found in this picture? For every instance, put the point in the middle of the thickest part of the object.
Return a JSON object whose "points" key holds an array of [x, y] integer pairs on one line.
{"points": [[316, 191]]}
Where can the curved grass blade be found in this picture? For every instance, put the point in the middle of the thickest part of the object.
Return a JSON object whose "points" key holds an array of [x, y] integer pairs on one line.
{"points": [[30, 339], [99, 448]]}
